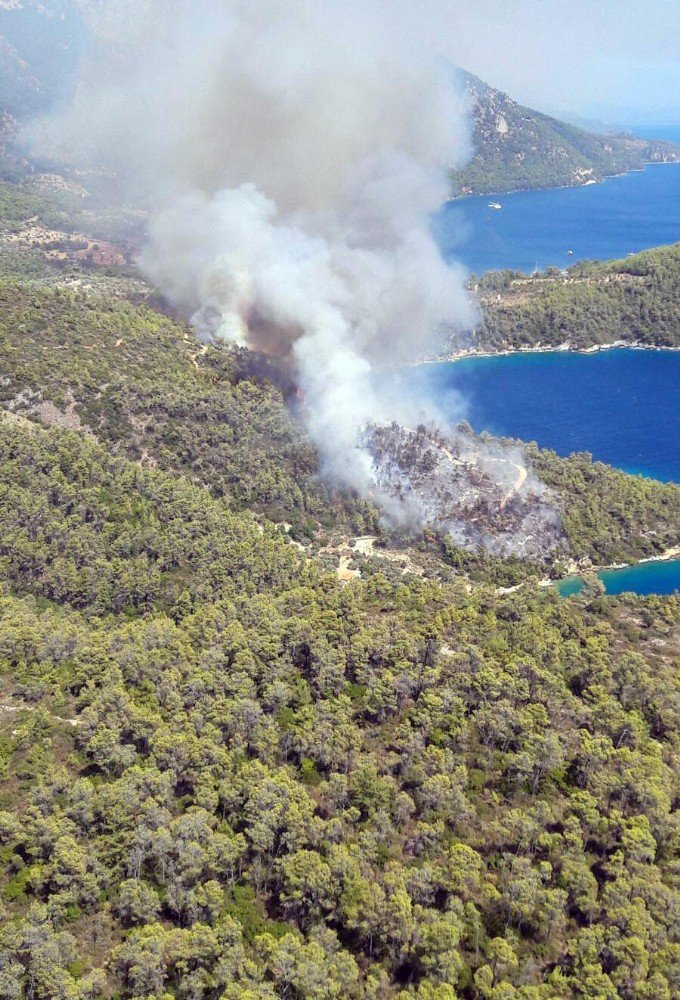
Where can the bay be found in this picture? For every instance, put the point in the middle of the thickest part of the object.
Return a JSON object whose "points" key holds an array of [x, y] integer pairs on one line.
{"points": [[536, 229], [657, 577], [621, 405]]}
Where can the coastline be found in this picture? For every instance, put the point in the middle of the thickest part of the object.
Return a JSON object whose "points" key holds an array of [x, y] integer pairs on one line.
{"points": [[562, 187], [566, 348], [575, 571], [668, 555]]}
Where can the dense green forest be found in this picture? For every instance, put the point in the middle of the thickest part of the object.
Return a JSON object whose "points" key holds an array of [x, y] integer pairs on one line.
{"points": [[227, 774], [517, 148], [608, 516], [140, 382], [635, 300], [234, 766]]}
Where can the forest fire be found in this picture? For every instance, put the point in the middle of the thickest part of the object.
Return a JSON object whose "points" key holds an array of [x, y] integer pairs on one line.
{"points": [[481, 495]]}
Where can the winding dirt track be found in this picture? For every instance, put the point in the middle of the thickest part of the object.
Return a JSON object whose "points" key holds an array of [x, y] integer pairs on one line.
{"points": [[517, 485], [522, 473]]}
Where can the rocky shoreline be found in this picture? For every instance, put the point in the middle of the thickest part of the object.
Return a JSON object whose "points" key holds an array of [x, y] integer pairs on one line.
{"points": [[575, 569], [566, 348], [666, 556]]}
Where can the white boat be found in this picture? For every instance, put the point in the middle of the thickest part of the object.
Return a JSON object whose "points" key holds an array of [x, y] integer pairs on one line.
{"points": [[495, 204]]}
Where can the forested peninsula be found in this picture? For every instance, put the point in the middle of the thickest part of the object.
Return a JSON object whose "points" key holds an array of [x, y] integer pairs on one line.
{"points": [[634, 301], [517, 148]]}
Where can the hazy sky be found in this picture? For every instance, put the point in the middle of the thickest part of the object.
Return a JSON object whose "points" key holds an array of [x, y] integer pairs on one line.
{"points": [[613, 58]]}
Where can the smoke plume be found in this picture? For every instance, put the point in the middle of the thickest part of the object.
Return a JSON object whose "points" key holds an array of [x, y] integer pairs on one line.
{"points": [[291, 155]]}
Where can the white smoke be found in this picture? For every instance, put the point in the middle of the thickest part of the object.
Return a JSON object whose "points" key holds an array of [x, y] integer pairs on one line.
{"points": [[291, 153]]}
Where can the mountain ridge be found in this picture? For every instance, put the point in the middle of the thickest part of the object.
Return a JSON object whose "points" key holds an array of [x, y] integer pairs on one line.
{"points": [[518, 148]]}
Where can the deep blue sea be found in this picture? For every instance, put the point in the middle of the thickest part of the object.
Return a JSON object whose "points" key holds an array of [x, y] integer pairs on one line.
{"points": [[621, 405], [536, 229]]}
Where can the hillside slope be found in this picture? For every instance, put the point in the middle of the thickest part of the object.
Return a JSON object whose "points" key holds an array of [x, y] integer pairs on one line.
{"points": [[633, 301], [39, 46], [519, 148], [142, 386], [226, 776]]}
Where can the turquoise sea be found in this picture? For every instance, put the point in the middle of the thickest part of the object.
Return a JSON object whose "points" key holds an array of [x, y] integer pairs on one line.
{"points": [[536, 229], [645, 578]]}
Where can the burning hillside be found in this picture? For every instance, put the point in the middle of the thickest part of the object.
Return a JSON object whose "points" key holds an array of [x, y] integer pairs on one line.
{"points": [[318, 252], [478, 492]]}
